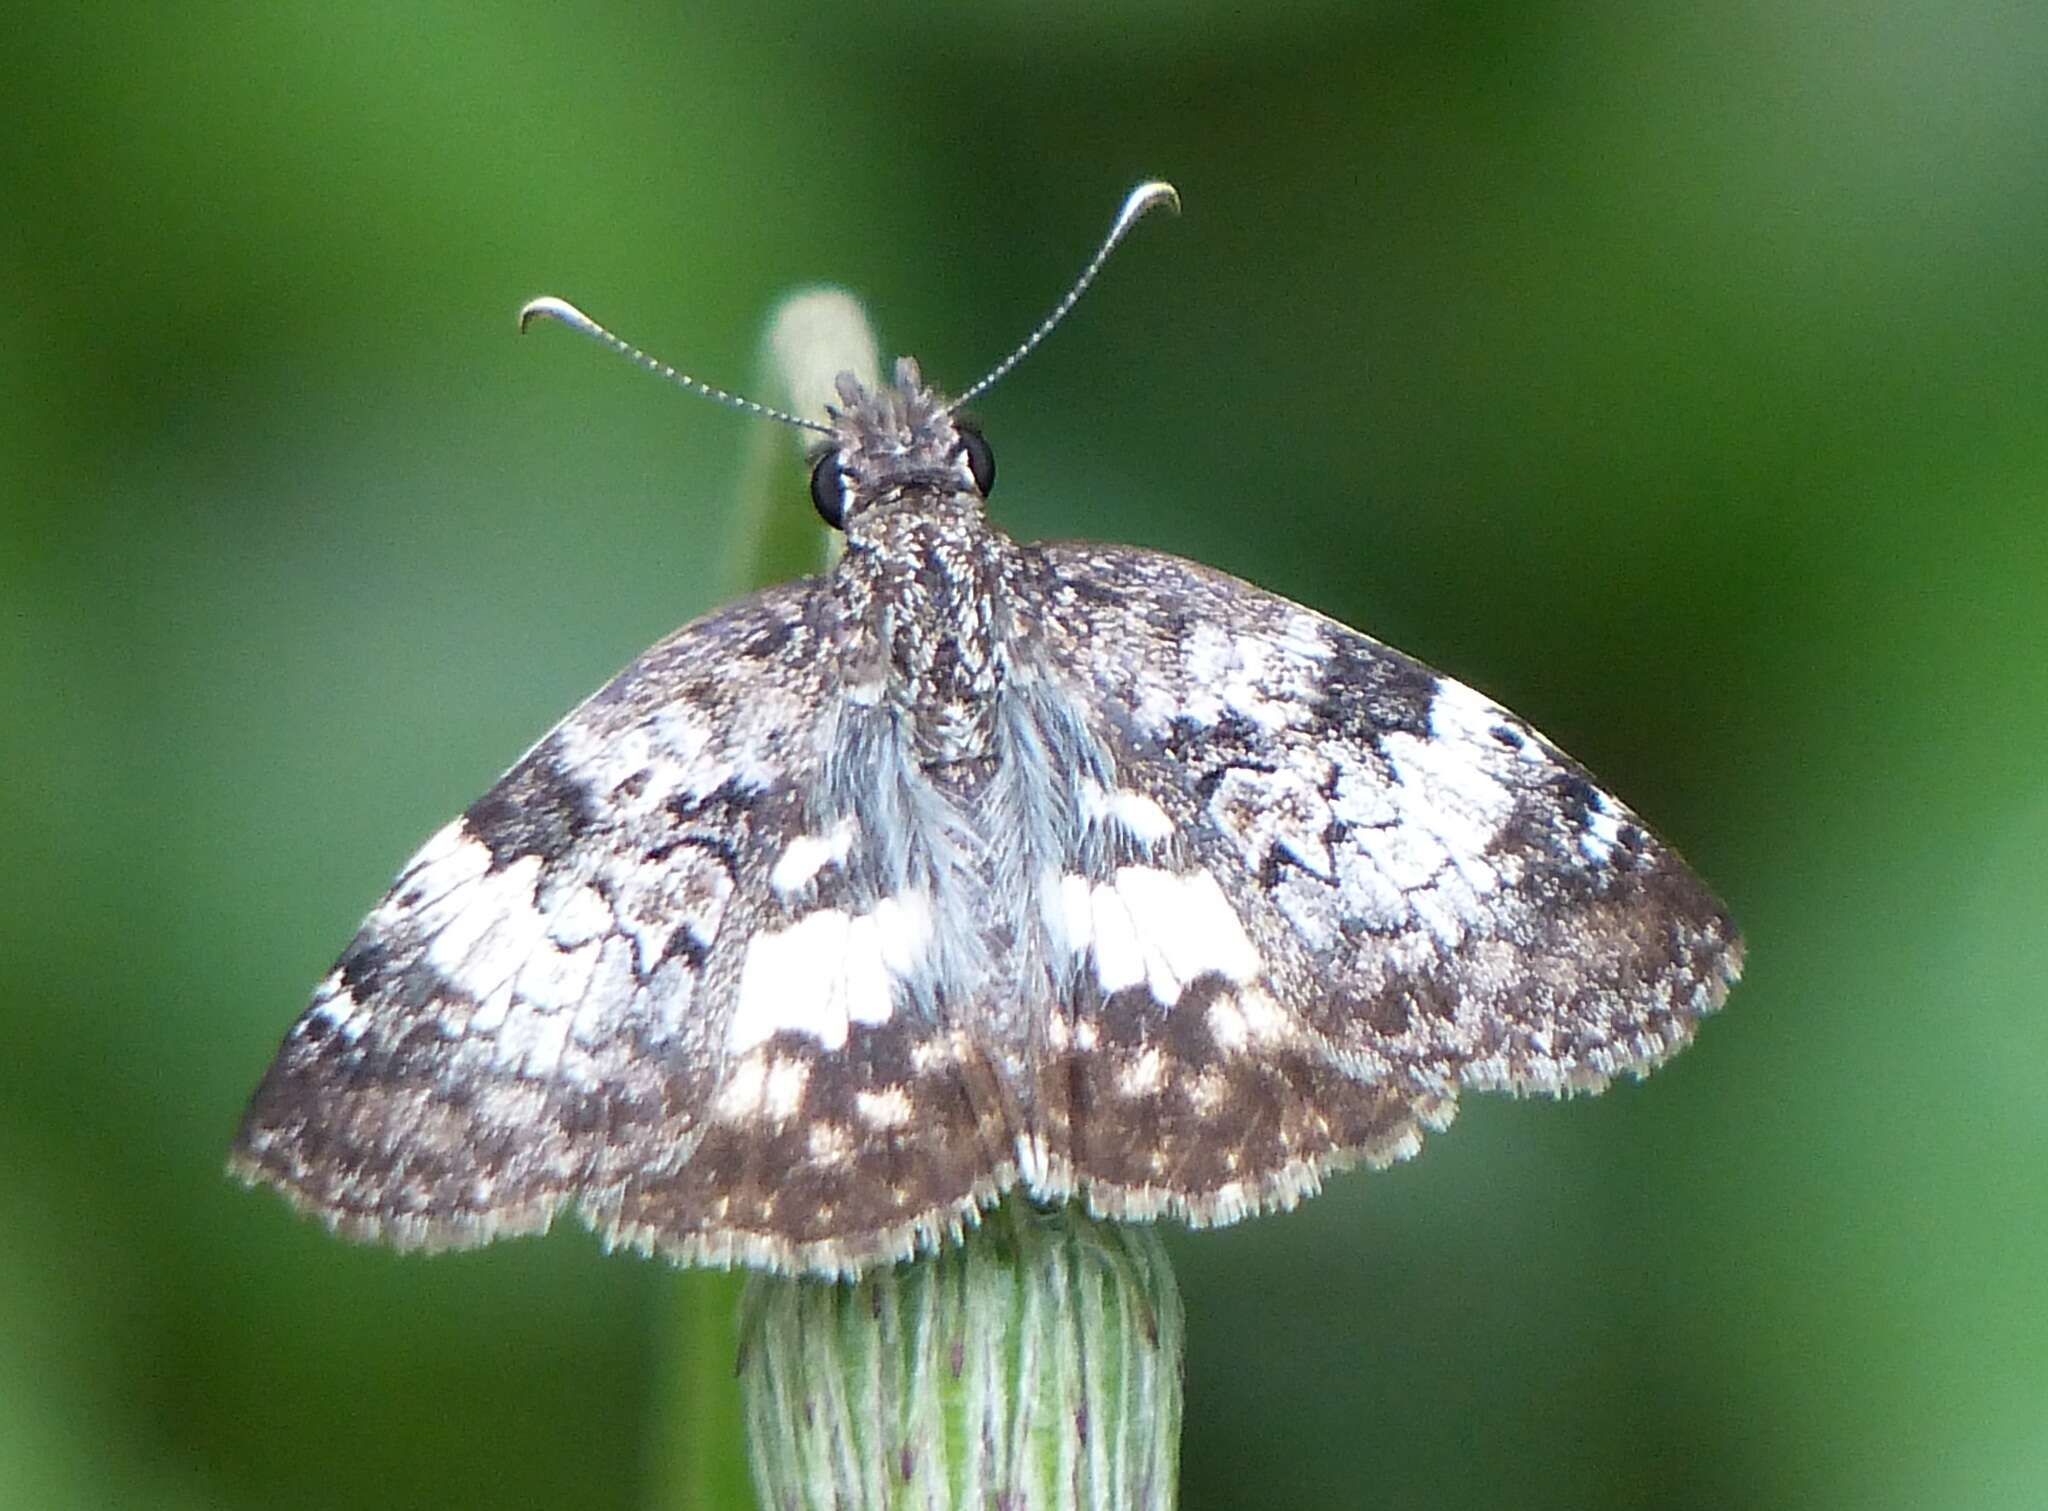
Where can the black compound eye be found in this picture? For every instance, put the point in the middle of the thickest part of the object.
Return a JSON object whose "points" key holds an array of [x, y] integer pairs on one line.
{"points": [[980, 460], [828, 490]]}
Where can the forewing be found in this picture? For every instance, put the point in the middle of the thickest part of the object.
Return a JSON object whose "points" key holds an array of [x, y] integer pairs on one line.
{"points": [[1433, 896], [540, 1010]]}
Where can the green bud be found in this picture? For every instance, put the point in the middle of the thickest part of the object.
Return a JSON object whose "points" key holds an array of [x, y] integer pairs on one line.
{"points": [[1034, 1365]]}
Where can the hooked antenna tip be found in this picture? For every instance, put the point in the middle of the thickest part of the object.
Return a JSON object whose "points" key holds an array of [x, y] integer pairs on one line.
{"points": [[1142, 201], [550, 308], [1146, 197]]}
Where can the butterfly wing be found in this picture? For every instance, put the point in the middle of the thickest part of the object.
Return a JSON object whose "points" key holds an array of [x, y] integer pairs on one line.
{"points": [[540, 1011], [1330, 890], [1431, 895]]}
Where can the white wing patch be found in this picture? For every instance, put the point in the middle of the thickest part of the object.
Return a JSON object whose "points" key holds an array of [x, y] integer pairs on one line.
{"points": [[807, 855], [1136, 814], [1447, 783], [335, 1006], [1603, 829], [1162, 928], [762, 1086], [1268, 678], [539, 976], [452, 858], [885, 1109], [829, 970], [1417, 850]]}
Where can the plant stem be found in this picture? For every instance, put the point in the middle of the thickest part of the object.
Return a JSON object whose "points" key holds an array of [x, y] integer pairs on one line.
{"points": [[1035, 1364]]}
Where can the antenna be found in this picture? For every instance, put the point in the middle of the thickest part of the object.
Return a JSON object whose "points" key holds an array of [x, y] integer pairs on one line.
{"points": [[1137, 204], [551, 308]]}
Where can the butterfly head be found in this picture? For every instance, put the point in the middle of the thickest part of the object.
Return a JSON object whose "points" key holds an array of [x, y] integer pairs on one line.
{"points": [[896, 442]]}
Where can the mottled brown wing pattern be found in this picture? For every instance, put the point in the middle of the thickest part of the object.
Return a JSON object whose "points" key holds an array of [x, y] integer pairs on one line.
{"points": [[1438, 899], [539, 1011], [724, 963]]}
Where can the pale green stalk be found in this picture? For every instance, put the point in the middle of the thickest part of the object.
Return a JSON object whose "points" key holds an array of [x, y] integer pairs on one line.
{"points": [[1035, 1364]]}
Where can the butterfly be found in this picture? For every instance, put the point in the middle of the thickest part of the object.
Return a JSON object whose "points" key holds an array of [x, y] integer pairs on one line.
{"points": [[971, 865]]}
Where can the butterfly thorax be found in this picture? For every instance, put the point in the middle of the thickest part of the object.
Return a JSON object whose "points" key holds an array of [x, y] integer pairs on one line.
{"points": [[922, 597], [923, 593]]}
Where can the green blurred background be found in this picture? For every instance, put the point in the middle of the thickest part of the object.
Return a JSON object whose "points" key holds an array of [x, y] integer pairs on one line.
{"points": [[1676, 374]]}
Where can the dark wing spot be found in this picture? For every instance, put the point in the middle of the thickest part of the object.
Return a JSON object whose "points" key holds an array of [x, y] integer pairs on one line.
{"points": [[684, 945], [1576, 797], [1129, 1019], [377, 969], [367, 967], [540, 808], [769, 641], [727, 806], [1371, 691]]}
